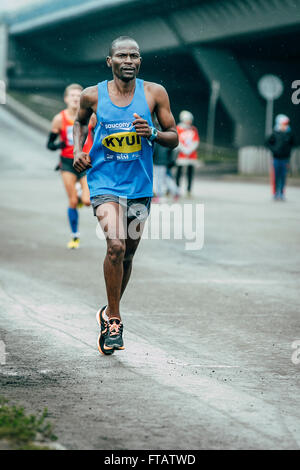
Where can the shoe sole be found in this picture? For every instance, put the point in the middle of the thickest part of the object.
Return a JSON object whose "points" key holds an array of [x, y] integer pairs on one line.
{"points": [[101, 349]]}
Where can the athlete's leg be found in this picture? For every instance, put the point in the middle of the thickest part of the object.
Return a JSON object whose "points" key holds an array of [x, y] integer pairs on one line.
{"points": [[85, 195], [130, 249], [111, 219], [190, 175], [178, 175], [69, 180], [122, 235]]}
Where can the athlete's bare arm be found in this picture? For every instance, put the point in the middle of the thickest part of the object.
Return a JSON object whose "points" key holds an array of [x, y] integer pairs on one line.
{"points": [[56, 126], [93, 121], [88, 105], [159, 103]]}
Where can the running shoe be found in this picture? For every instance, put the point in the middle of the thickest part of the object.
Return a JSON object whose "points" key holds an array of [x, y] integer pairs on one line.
{"points": [[110, 337], [79, 203], [114, 338], [73, 244]]}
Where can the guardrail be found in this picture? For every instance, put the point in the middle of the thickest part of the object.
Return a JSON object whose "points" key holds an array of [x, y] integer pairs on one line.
{"points": [[257, 160]]}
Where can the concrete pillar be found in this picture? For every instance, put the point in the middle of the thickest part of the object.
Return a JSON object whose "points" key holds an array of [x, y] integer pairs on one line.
{"points": [[239, 97], [3, 50], [3, 60]]}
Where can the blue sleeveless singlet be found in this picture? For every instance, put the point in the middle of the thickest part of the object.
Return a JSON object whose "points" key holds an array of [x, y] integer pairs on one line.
{"points": [[122, 162]]}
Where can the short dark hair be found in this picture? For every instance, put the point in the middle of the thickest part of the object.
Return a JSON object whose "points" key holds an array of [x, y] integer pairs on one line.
{"points": [[120, 39]]}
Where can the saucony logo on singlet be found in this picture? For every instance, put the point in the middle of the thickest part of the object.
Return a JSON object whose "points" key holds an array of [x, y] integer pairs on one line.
{"points": [[121, 125], [125, 142]]}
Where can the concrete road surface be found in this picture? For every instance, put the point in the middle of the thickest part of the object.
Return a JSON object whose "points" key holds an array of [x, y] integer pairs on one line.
{"points": [[211, 335]]}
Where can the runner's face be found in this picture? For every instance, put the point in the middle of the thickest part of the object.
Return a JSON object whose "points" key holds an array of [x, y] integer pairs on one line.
{"points": [[125, 61], [72, 99]]}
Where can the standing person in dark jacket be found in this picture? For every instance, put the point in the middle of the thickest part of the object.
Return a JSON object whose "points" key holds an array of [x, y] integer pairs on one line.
{"points": [[281, 143]]}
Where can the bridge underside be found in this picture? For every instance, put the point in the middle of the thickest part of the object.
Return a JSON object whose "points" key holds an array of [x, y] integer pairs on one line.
{"points": [[184, 48]]}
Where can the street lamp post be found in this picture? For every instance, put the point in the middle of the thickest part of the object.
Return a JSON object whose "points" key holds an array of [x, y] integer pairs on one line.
{"points": [[270, 88], [214, 95]]}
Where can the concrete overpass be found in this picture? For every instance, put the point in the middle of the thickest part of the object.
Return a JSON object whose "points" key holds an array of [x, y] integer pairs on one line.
{"points": [[185, 45]]}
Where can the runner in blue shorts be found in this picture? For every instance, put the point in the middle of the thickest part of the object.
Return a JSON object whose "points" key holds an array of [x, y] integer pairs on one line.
{"points": [[120, 168]]}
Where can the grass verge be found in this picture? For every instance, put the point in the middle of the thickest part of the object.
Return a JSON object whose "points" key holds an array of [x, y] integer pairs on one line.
{"points": [[21, 431]]}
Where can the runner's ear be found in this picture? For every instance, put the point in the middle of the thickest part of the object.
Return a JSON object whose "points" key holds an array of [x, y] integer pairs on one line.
{"points": [[108, 61]]}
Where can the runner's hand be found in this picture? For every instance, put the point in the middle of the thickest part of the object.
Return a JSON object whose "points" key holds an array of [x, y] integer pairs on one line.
{"points": [[141, 126], [82, 161]]}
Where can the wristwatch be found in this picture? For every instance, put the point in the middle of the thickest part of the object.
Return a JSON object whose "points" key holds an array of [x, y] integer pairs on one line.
{"points": [[153, 134]]}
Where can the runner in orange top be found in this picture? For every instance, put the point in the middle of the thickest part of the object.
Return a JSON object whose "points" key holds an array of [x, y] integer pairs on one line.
{"points": [[62, 128], [188, 144]]}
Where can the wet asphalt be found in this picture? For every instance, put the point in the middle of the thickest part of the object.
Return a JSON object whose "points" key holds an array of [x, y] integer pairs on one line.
{"points": [[210, 334]]}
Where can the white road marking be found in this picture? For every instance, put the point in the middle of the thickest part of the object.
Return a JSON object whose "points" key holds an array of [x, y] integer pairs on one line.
{"points": [[216, 281], [209, 366]]}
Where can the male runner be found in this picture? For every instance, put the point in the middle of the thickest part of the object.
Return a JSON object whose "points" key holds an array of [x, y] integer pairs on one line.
{"points": [[62, 127], [120, 175]]}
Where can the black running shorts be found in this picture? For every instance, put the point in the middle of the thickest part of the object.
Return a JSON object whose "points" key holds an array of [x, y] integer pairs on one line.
{"points": [[66, 164]]}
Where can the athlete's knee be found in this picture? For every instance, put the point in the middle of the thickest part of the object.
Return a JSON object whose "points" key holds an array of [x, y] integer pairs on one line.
{"points": [[116, 251], [73, 201]]}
